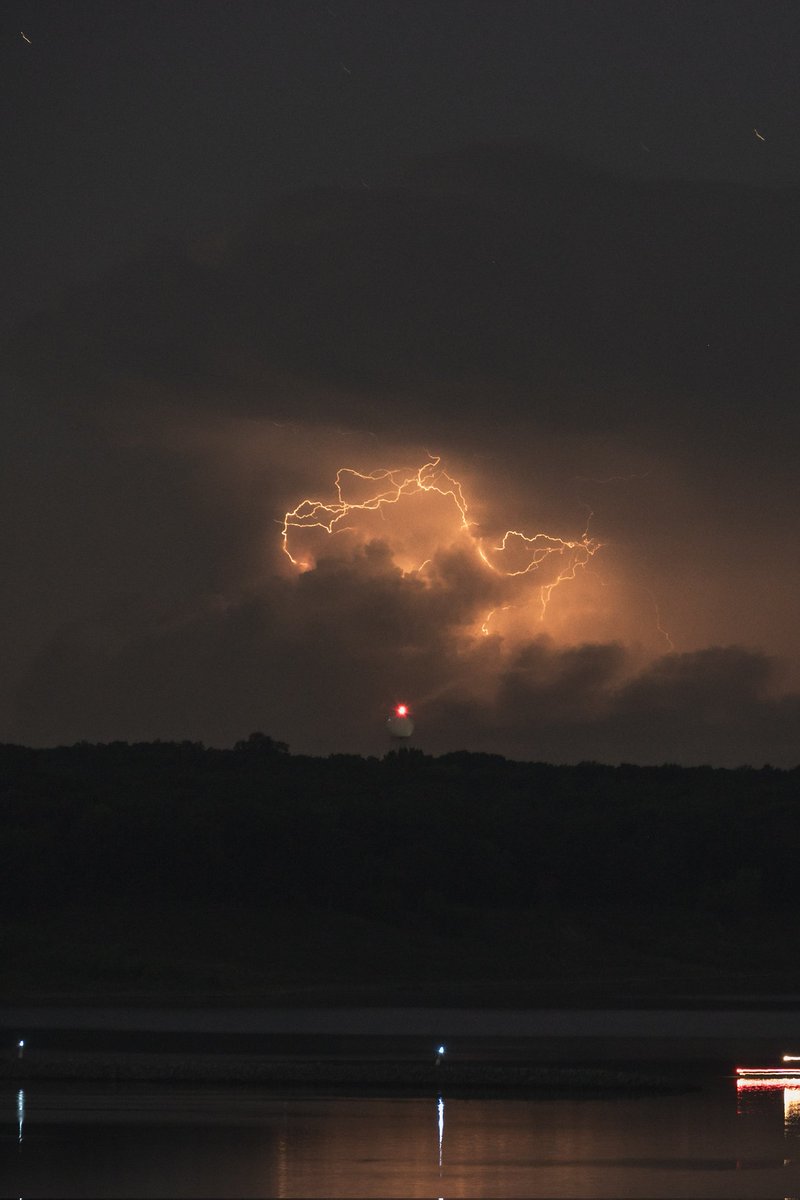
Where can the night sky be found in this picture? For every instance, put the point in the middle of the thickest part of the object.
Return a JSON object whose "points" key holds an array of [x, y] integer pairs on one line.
{"points": [[549, 248]]}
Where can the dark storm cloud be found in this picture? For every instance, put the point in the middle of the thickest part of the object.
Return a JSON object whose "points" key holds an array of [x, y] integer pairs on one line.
{"points": [[137, 119], [502, 264], [717, 705], [318, 661], [552, 327]]}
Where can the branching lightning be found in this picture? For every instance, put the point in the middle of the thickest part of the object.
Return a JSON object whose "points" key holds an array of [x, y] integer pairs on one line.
{"points": [[536, 550], [517, 553], [657, 613], [391, 486]]}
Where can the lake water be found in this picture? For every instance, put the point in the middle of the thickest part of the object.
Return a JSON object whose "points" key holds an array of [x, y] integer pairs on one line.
{"points": [[82, 1140], [154, 1140]]}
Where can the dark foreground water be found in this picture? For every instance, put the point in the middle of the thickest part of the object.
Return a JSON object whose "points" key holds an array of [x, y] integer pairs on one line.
{"points": [[156, 1140], [125, 1140]]}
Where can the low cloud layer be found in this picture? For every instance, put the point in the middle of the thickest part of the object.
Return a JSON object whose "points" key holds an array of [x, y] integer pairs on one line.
{"points": [[319, 661]]}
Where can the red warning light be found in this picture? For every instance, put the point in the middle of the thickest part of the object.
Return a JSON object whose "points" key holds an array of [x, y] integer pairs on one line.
{"points": [[402, 710]]}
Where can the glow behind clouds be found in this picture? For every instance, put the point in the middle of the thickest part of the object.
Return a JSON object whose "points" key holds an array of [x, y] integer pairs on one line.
{"points": [[229, 635], [610, 383], [543, 560]]}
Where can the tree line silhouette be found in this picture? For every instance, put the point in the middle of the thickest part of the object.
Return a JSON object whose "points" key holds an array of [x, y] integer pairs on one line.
{"points": [[175, 822]]}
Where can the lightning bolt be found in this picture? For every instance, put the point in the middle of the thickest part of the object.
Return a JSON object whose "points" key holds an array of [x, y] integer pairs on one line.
{"points": [[538, 548], [391, 486], [516, 554], [490, 614], [657, 614]]}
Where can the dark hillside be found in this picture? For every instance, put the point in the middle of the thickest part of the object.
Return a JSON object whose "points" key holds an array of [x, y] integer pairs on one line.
{"points": [[167, 863]]}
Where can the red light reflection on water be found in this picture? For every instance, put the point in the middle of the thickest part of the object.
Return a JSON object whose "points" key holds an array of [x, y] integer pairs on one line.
{"points": [[751, 1086], [764, 1083]]}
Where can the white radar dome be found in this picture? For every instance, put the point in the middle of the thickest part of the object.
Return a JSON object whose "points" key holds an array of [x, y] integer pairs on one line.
{"points": [[400, 724]]}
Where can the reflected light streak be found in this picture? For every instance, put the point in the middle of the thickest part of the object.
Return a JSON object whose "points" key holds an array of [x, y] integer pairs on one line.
{"points": [[20, 1113], [440, 1116], [282, 1167], [791, 1108], [772, 1081], [765, 1083]]}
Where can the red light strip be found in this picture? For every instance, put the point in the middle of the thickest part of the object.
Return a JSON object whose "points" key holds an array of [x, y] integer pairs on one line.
{"points": [[766, 1083]]}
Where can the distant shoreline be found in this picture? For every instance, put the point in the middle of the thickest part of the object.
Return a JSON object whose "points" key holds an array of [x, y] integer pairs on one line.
{"points": [[566, 1021], [634, 994], [389, 1046], [321, 1073]]}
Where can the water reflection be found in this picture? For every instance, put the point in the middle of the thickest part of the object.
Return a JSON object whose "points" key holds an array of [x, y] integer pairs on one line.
{"points": [[282, 1165], [125, 1140], [750, 1094], [756, 1098], [791, 1110]]}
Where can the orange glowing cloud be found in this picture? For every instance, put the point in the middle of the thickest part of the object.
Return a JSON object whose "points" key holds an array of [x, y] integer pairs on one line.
{"points": [[422, 511]]}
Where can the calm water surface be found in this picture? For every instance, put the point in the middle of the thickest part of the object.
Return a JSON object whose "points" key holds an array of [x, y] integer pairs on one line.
{"points": [[79, 1140]]}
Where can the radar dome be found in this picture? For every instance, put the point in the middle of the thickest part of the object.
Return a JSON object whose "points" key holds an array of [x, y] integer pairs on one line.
{"points": [[400, 724]]}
